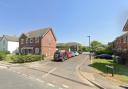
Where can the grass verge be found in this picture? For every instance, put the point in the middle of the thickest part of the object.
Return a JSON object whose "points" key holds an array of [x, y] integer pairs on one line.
{"points": [[121, 74]]}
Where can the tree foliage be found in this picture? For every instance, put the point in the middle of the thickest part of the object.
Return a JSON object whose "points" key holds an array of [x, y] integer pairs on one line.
{"points": [[100, 48]]}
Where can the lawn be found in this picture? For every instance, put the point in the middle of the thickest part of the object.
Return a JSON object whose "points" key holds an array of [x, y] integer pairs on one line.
{"points": [[121, 75]]}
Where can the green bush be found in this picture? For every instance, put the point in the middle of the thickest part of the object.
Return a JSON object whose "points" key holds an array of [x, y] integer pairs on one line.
{"points": [[3, 55], [23, 58], [104, 52]]}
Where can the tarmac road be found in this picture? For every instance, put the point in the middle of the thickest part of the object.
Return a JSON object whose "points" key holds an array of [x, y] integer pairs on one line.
{"points": [[51, 74]]}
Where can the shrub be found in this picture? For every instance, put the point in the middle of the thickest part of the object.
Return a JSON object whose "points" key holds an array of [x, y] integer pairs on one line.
{"points": [[9, 57], [3, 54], [23, 58], [104, 52]]}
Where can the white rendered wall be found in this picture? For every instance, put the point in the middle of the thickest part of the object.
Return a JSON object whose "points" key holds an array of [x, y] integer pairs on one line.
{"points": [[13, 46]]}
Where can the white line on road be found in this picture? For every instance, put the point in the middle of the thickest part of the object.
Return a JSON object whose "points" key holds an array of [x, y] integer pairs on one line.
{"points": [[49, 72], [40, 80], [46, 63], [49, 84], [65, 86], [3, 67]]}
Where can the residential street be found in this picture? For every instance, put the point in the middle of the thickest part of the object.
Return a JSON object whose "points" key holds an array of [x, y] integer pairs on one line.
{"points": [[58, 75], [64, 44]]}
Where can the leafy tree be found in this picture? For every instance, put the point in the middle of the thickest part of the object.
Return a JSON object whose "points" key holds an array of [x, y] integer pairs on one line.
{"points": [[100, 48], [96, 45]]}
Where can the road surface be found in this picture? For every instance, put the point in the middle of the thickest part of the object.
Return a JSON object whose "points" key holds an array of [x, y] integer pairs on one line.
{"points": [[51, 74]]}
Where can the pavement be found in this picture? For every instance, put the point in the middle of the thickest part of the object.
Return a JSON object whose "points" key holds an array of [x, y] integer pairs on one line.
{"points": [[98, 79], [70, 74]]}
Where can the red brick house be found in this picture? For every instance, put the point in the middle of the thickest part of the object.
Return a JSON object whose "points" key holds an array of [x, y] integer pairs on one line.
{"points": [[120, 45], [41, 41]]}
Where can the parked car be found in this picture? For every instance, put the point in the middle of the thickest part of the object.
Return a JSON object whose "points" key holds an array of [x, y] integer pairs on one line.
{"points": [[69, 54], [76, 53], [106, 56], [73, 54], [60, 55]]}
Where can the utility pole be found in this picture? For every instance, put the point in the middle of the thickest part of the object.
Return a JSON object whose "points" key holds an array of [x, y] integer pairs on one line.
{"points": [[90, 48]]}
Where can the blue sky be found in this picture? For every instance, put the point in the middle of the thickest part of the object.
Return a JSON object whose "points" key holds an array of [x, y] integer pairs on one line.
{"points": [[72, 20]]}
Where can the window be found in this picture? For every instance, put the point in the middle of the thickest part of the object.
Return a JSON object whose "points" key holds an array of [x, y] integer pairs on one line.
{"points": [[27, 40], [37, 40], [31, 40], [37, 50], [22, 41]]}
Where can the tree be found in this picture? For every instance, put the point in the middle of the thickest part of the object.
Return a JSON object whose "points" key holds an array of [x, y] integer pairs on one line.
{"points": [[100, 48], [96, 45]]}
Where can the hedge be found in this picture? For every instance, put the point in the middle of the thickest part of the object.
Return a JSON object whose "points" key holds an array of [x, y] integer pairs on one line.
{"points": [[3, 55], [23, 58]]}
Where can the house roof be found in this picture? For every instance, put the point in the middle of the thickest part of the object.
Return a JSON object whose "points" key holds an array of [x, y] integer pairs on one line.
{"points": [[11, 38], [38, 32], [126, 26]]}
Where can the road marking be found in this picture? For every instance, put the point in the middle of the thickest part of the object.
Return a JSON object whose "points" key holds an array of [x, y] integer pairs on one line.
{"points": [[49, 84], [65, 86], [3, 67], [40, 80], [60, 88], [46, 63], [49, 72]]}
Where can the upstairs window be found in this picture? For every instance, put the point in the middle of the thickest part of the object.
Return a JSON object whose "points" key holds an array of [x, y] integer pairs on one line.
{"points": [[27, 40], [31, 40], [37, 40]]}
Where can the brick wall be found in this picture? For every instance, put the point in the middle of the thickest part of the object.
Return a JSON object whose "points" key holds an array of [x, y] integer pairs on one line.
{"points": [[48, 44]]}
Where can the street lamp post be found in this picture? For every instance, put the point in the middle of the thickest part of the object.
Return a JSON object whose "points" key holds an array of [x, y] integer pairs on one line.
{"points": [[90, 48]]}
